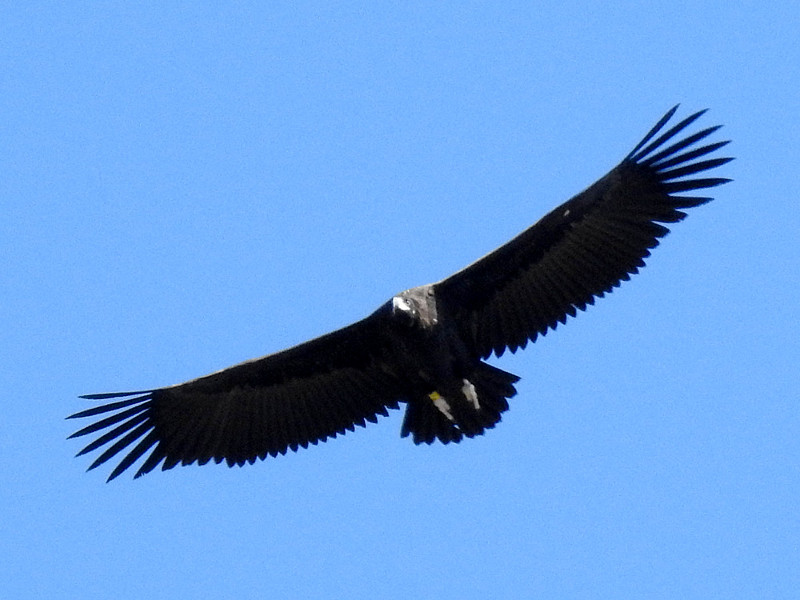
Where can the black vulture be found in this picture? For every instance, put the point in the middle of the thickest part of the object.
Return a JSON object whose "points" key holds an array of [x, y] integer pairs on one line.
{"points": [[426, 346]]}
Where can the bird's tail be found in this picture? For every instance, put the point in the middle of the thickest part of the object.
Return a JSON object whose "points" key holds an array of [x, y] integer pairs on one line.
{"points": [[484, 397]]}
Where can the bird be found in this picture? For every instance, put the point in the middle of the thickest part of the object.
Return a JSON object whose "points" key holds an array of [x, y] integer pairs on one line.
{"points": [[426, 347]]}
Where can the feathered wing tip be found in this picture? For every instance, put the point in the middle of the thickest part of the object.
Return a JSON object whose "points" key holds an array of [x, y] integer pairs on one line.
{"points": [[426, 423], [128, 423], [678, 160], [165, 428], [656, 128]]}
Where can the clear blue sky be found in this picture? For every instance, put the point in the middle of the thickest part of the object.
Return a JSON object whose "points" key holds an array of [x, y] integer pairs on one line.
{"points": [[187, 186]]}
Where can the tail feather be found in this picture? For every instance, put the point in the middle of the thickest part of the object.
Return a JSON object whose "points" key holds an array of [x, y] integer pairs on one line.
{"points": [[426, 423]]}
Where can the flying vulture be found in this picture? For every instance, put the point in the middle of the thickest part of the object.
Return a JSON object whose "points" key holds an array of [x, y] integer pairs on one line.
{"points": [[426, 346]]}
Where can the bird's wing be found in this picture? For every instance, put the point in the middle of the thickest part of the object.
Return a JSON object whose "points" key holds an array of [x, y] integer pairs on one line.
{"points": [[269, 405], [585, 247]]}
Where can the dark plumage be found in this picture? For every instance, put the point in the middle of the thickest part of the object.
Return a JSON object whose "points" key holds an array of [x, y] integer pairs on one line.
{"points": [[424, 347]]}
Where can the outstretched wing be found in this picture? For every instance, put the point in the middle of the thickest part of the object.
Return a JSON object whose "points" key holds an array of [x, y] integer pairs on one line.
{"points": [[585, 247], [262, 407]]}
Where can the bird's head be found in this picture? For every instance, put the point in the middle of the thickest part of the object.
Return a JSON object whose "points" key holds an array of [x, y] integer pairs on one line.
{"points": [[416, 307], [405, 309]]}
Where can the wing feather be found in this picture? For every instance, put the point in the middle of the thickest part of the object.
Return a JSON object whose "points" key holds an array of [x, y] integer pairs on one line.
{"points": [[584, 248], [267, 406]]}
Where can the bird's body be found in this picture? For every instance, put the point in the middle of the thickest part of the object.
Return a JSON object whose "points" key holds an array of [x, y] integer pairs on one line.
{"points": [[426, 347], [450, 391]]}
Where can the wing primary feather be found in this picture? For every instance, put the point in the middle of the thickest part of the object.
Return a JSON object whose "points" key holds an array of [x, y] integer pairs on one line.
{"points": [[693, 184], [151, 462], [121, 443], [107, 395], [137, 452], [98, 410], [693, 168], [669, 134], [656, 128], [181, 432], [650, 161], [687, 156], [112, 434], [109, 421], [170, 462]]}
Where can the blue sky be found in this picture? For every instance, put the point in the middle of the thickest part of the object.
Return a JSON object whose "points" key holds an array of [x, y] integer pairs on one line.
{"points": [[188, 186]]}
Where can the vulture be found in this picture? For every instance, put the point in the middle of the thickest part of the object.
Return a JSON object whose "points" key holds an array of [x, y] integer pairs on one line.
{"points": [[426, 347]]}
